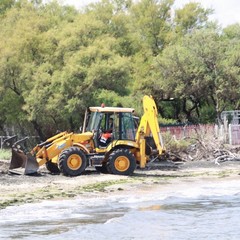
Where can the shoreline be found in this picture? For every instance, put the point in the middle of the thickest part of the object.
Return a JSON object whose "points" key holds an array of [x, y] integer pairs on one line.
{"points": [[21, 189]]}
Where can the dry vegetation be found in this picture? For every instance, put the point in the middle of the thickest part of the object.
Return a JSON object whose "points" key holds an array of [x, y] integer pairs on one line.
{"points": [[202, 145]]}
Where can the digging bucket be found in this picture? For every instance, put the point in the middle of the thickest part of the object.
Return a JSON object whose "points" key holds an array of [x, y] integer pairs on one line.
{"points": [[22, 163]]}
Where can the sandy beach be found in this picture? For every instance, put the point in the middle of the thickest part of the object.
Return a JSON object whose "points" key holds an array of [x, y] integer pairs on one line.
{"points": [[20, 189]]}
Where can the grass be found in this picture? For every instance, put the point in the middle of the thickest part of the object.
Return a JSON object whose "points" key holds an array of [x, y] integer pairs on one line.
{"points": [[55, 193], [100, 187], [5, 154]]}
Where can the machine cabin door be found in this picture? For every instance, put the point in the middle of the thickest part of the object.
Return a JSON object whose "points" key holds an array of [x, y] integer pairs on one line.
{"points": [[116, 126], [124, 127]]}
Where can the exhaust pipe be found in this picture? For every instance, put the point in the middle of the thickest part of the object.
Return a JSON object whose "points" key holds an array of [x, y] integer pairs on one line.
{"points": [[22, 163]]}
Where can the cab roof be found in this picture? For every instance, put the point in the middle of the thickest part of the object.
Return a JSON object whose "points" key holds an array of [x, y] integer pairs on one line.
{"points": [[111, 109]]}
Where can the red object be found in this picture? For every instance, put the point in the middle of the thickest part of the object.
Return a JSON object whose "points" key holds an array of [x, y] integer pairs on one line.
{"points": [[104, 137]]}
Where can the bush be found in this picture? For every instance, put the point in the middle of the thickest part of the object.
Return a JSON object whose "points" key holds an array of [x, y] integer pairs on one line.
{"points": [[166, 121], [173, 145], [5, 154]]}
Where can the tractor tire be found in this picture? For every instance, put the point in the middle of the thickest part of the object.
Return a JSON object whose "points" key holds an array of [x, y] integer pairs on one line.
{"points": [[121, 162], [72, 161], [52, 167]]}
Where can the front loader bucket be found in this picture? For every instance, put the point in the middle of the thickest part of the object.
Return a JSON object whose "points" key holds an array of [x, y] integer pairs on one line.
{"points": [[22, 163]]}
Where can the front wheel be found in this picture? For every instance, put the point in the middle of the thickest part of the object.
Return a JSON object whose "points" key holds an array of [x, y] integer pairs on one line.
{"points": [[121, 162], [72, 161]]}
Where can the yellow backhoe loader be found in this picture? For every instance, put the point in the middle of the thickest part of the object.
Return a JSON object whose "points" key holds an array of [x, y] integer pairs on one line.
{"points": [[111, 141]]}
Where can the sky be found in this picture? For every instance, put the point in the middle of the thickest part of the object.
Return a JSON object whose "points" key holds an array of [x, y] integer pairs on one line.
{"points": [[225, 11]]}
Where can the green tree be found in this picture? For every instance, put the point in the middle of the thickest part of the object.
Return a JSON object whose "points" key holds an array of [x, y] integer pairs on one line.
{"points": [[5, 5], [199, 71], [151, 22], [190, 17], [55, 61], [25, 45], [87, 73]]}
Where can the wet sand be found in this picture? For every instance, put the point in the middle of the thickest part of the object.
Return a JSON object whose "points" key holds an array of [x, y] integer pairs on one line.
{"points": [[20, 189]]}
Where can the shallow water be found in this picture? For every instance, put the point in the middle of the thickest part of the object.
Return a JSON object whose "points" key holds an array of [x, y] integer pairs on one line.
{"points": [[199, 210]]}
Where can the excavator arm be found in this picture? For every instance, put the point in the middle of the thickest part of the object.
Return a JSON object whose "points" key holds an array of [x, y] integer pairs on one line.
{"points": [[28, 163], [149, 127]]}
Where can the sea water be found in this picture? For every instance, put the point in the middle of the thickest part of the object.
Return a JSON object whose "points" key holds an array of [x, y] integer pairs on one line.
{"points": [[194, 210]]}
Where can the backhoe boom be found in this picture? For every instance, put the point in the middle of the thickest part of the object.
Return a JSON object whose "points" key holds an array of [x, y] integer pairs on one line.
{"points": [[149, 127]]}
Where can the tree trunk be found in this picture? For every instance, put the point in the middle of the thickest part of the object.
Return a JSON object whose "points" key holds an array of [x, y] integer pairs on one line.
{"points": [[38, 129]]}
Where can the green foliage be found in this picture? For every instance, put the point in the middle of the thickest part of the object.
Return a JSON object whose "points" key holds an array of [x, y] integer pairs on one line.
{"points": [[5, 5], [166, 121], [173, 145], [5, 154], [151, 23], [207, 114], [55, 61], [191, 16], [195, 72]]}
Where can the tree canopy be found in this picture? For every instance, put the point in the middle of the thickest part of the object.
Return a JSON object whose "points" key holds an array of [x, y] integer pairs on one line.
{"points": [[56, 60]]}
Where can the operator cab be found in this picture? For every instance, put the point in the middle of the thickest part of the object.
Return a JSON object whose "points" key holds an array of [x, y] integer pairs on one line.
{"points": [[109, 124]]}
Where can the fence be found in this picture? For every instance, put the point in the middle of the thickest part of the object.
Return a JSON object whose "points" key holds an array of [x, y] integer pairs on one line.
{"points": [[234, 134], [181, 132], [230, 130], [229, 134]]}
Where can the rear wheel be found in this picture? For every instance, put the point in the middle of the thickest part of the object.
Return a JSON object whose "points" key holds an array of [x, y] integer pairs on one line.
{"points": [[121, 162], [72, 161], [52, 167]]}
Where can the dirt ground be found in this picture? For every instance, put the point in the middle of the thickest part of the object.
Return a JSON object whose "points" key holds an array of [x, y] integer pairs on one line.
{"points": [[20, 189]]}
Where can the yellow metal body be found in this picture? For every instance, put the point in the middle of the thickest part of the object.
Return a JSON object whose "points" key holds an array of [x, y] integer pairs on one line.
{"points": [[60, 142], [148, 127]]}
